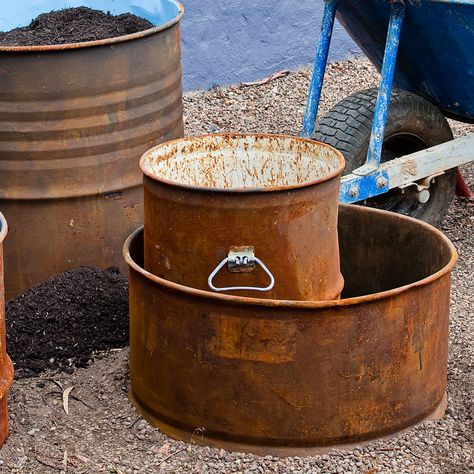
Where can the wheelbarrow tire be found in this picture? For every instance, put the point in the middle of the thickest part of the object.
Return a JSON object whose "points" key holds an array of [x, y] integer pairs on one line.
{"points": [[413, 124]]}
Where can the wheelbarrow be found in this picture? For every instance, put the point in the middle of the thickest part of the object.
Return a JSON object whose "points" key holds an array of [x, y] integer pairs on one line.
{"points": [[399, 147]]}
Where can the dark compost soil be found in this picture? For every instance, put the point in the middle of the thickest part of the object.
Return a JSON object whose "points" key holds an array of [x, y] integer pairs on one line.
{"points": [[60, 323], [73, 25]]}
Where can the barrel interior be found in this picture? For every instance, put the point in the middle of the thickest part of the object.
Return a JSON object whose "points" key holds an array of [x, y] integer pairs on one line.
{"points": [[394, 253], [250, 162], [16, 14]]}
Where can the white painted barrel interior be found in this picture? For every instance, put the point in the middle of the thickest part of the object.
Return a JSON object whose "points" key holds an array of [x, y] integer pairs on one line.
{"points": [[242, 162]]}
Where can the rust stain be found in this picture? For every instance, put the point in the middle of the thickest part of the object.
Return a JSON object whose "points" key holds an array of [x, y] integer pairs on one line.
{"points": [[418, 344], [372, 372], [409, 168], [236, 162], [259, 340]]}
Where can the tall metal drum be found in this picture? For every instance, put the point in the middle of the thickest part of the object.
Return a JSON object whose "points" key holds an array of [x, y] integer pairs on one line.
{"points": [[74, 121], [251, 214]]}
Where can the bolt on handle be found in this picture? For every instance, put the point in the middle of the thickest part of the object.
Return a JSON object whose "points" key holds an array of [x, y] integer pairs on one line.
{"points": [[241, 260]]}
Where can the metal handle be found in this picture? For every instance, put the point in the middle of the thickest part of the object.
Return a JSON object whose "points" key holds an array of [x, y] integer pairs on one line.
{"points": [[241, 260]]}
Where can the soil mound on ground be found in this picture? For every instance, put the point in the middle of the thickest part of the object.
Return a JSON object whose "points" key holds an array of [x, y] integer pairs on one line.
{"points": [[73, 25], [60, 323]]}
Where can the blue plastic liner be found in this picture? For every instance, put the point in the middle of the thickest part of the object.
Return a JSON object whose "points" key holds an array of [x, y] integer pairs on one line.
{"points": [[17, 13]]}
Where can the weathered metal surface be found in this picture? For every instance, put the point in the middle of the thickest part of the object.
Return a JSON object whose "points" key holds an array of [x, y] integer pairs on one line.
{"points": [[407, 169], [6, 366], [74, 121], [206, 195], [288, 377]]}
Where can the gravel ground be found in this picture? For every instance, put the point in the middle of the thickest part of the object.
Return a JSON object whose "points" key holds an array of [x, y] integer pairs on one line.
{"points": [[102, 433]]}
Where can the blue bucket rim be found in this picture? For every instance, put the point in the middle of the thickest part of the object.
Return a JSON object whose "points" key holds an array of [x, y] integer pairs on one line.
{"points": [[103, 42], [3, 228]]}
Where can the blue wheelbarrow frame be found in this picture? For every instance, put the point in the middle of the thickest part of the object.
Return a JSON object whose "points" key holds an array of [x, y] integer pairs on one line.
{"points": [[435, 39]]}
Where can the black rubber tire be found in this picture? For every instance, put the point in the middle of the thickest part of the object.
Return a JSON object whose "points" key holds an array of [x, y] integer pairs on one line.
{"points": [[413, 124]]}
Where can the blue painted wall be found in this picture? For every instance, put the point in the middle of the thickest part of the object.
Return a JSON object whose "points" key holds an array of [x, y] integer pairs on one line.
{"points": [[226, 42]]}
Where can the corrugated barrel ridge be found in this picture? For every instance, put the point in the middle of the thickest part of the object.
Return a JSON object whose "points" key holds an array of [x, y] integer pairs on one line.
{"points": [[88, 122], [154, 100]]}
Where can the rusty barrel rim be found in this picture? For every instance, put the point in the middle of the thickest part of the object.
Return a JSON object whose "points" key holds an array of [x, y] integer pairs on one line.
{"points": [[304, 304], [235, 136], [103, 42]]}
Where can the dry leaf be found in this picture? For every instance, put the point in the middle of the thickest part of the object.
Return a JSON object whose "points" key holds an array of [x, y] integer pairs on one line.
{"points": [[66, 399], [163, 450]]}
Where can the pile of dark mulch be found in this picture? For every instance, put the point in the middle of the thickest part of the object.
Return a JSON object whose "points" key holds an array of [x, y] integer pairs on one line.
{"points": [[73, 25], [60, 323]]}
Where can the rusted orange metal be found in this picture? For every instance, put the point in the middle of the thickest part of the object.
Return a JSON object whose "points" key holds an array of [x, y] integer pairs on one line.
{"points": [[6, 366], [207, 195], [288, 377], [74, 121]]}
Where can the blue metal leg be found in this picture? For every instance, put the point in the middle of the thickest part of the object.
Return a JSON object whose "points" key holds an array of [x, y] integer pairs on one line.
{"points": [[320, 64], [374, 154]]}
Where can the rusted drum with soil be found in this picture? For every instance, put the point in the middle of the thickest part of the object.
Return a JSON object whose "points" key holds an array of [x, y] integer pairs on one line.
{"points": [[288, 377], [274, 198], [6, 366], [74, 121]]}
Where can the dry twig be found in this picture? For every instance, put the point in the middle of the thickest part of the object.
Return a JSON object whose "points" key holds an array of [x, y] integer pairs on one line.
{"points": [[266, 80]]}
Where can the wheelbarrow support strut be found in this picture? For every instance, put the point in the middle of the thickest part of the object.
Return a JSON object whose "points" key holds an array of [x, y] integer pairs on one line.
{"points": [[397, 15], [373, 178], [320, 64], [374, 154]]}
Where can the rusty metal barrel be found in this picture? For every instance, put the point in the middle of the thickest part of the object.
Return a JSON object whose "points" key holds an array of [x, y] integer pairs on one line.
{"points": [[74, 121], [255, 214], [292, 377], [6, 366]]}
